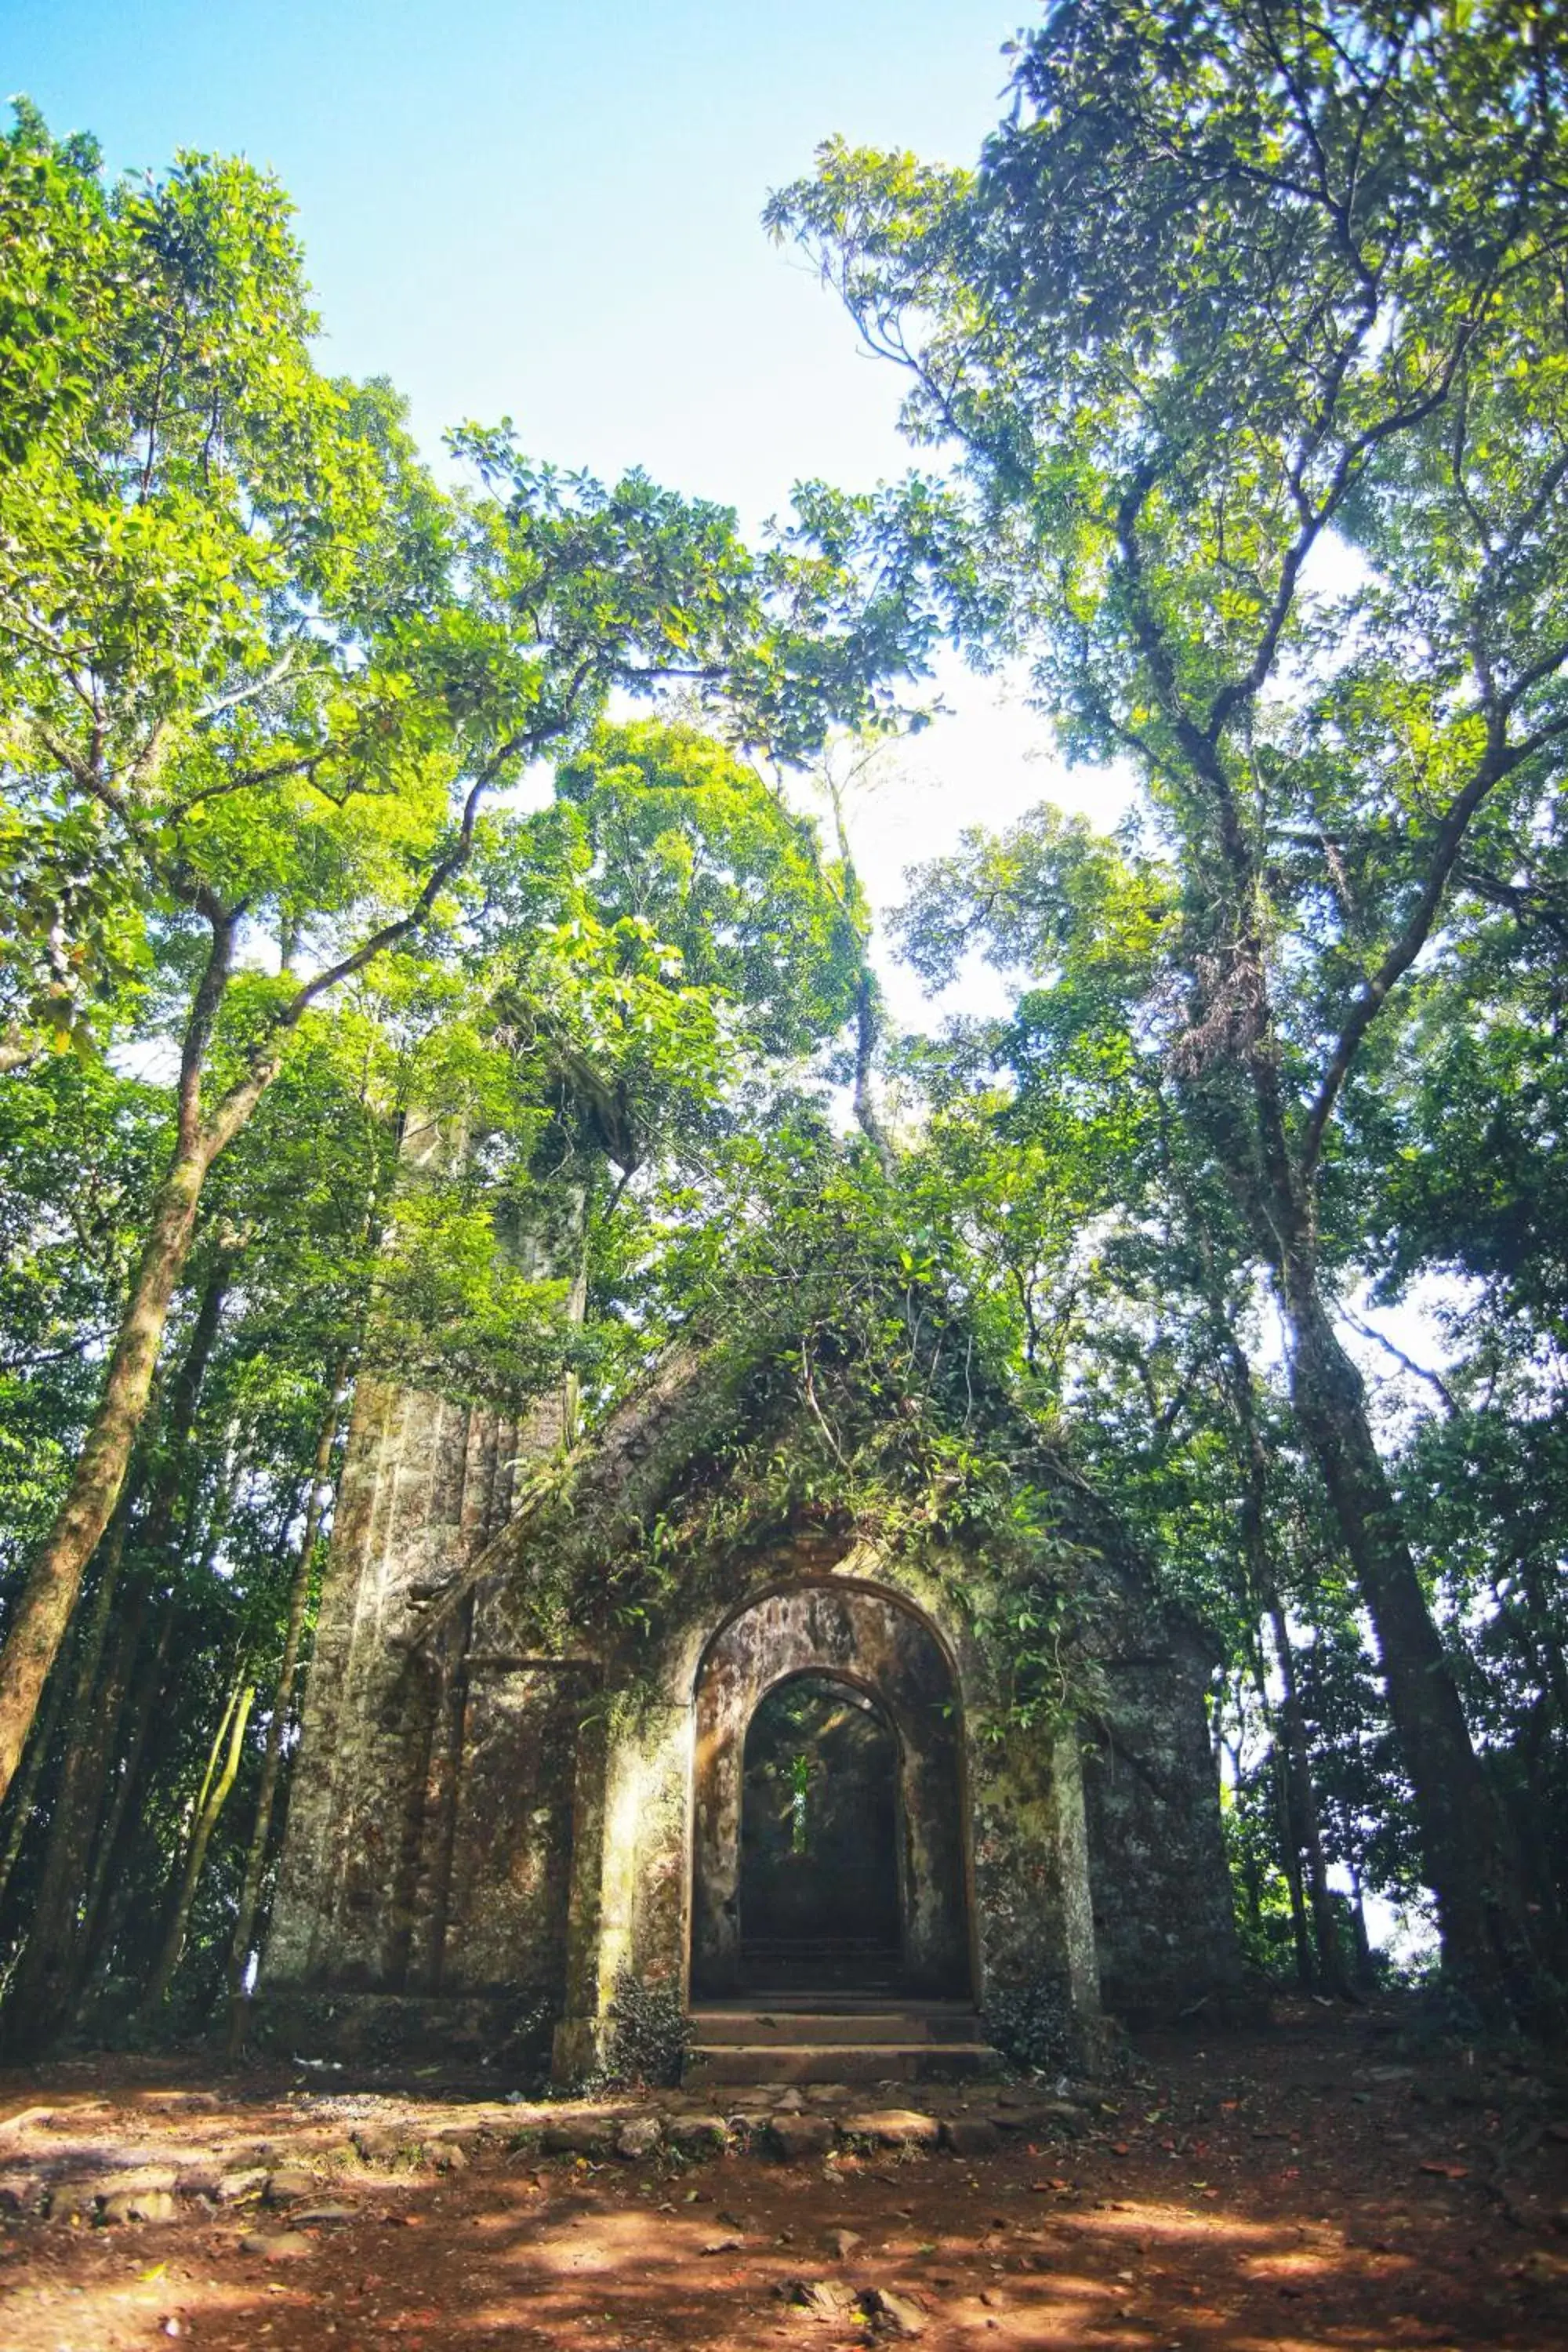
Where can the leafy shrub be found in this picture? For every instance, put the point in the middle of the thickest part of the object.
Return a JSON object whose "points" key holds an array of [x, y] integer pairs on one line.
{"points": [[650, 2034]]}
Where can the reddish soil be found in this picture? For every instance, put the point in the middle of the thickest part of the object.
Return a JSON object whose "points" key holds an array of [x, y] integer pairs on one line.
{"points": [[1326, 2182]]}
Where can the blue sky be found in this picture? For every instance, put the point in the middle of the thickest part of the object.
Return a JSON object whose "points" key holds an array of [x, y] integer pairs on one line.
{"points": [[551, 211]]}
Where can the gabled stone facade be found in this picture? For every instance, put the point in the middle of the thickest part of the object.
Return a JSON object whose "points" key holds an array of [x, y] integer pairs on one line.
{"points": [[491, 1823]]}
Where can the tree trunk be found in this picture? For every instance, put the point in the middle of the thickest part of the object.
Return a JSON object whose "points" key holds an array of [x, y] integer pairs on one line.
{"points": [[1291, 1855], [1541, 1635], [34, 1635], [282, 1707], [1289, 1844], [101, 1917], [209, 1805], [47, 1978], [1297, 1801], [1302, 1804], [868, 1116], [51, 1967], [1468, 1854], [25, 1791], [1365, 1967]]}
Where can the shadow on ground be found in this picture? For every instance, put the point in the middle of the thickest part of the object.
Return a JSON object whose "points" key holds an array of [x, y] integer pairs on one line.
{"points": [[1327, 2183]]}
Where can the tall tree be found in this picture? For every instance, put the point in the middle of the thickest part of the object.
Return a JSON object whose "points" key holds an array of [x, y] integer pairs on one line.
{"points": [[260, 667], [1250, 328]]}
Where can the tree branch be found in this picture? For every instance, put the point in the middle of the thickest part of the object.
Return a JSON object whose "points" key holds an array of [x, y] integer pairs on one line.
{"points": [[1374, 990], [1417, 1372], [202, 1014], [248, 692]]}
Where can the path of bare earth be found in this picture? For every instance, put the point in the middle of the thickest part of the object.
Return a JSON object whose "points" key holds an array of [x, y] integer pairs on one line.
{"points": [[1332, 2184]]}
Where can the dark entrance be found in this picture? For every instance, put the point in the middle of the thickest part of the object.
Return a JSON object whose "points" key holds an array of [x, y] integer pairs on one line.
{"points": [[891, 1689], [819, 1840]]}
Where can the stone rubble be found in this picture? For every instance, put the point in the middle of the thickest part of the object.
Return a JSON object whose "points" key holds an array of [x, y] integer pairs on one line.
{"points": [[46, 2175]]}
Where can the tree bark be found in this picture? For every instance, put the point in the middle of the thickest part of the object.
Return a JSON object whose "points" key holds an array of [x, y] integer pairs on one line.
{"points": [[1550, 1661], [214, 1790], [1302, 1807], [867, 1115], [283, 1707], [24, 1792], [51, 1968], [46, 1977], [1299, 1825], [1289, 1850], [1468, 1854], [110, 1879], [1366, 1966], [48, 1596], [34, 1635], [1470, 1858]]}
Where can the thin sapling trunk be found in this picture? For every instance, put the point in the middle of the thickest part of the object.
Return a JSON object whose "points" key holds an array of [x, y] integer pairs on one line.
{"points": [[282, 1706], [229, 1744]]}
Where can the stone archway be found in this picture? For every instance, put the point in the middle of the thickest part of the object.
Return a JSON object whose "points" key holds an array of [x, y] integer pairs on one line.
{"points": [[863, 1637]]}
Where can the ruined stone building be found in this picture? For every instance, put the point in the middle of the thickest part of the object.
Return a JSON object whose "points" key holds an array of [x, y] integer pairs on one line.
{"points": [[561, 1724]]}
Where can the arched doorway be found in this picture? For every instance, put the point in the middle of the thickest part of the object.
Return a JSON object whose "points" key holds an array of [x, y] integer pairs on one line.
{"points": [[902, 1733], [819, 1840]]}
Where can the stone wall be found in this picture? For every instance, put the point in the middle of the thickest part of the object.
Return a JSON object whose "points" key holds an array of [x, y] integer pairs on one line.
{"points": [[481, 1838], [394, 1736], [1164, 1923], [504, 1916], [998, 1846]]}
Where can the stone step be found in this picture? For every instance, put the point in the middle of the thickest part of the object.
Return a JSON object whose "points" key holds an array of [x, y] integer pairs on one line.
{"points": [[771, 1999], [820, 1948], [814, 2027], [836, 2062]]}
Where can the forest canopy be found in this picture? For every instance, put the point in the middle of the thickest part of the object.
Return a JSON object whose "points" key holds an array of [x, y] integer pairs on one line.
{"points": [[1237, 364]]}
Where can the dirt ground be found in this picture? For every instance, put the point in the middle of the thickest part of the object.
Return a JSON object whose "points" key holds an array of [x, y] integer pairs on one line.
{"points": [[1332, 2181]]}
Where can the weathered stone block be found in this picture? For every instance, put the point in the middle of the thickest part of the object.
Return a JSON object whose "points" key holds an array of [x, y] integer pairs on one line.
{"points": [[141, 2205], [698, 2134], [239, 2188], [288, 2185], [796, 2139], [971, 2136], [893, 2128], [581, 2136]]}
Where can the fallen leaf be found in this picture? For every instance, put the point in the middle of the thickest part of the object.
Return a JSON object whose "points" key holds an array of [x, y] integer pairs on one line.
{"points": [[1447, 2171]]}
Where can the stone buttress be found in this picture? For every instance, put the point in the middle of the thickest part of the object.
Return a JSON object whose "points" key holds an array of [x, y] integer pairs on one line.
{"points": [[422, 1891]]}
